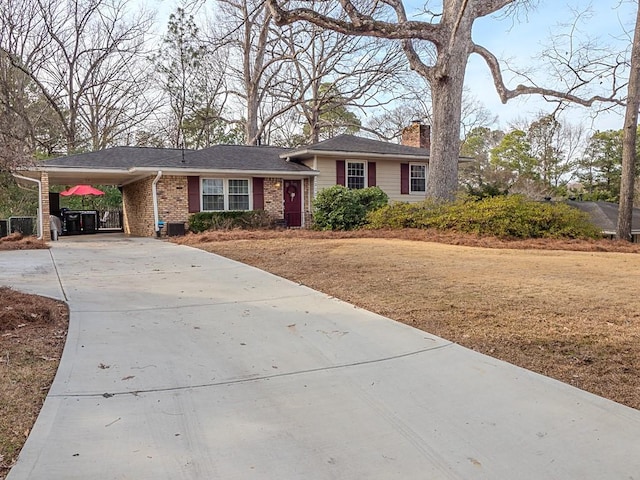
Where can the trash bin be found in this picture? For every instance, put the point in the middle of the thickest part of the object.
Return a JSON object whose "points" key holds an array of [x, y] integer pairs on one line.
{"points": [[71, 223], [89, 222]]}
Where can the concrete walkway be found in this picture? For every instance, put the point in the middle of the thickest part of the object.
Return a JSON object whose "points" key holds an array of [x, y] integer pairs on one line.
{"points": [[184, 365]]}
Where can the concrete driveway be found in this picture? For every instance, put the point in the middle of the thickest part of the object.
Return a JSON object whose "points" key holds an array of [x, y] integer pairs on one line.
{"points": [[180, 364]]}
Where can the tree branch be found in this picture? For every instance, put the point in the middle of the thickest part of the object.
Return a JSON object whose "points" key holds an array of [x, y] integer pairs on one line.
{"points": [[364, 26], [507, 94]]}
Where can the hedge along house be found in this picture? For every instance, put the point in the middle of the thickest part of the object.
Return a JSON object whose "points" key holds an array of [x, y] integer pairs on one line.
{"points": [[168, 185]]}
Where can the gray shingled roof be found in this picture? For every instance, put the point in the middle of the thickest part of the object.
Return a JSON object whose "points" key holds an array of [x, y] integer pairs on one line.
{"points": [[219, 157], [352, 144], [604, 215]]}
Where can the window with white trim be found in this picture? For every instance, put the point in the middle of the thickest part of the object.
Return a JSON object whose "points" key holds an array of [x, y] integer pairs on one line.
{"points": [[417, 178], [238, 194], [356, 175], [219, 194]]}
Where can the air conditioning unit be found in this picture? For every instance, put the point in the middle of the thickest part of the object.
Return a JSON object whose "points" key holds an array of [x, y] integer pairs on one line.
{"points": [[175, 229]]}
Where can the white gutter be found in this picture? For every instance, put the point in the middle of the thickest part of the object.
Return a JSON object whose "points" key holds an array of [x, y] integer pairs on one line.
{"points": [[154, 193], [352, 154], [229, 172], [40, 213]]}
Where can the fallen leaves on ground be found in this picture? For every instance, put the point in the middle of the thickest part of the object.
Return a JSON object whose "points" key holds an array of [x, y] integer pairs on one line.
{"points": [[32, 334]]}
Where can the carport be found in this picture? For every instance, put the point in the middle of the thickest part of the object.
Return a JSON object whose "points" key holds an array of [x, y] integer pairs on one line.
{"points": [[45, 177]]}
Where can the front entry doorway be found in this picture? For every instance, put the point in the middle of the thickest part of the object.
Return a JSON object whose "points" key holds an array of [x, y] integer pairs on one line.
{"points": [[293, 203]]}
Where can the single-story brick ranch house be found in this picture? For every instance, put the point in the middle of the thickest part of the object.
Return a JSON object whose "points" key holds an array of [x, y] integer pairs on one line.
{"points": [[168, 185]]}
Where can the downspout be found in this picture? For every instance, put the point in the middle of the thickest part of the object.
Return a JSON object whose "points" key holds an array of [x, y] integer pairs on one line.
{"points": [[154, 193], [40, 213]]}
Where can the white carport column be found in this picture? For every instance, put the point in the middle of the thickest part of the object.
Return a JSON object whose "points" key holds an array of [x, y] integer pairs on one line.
{"points": [[154, 194], [41, 213]]}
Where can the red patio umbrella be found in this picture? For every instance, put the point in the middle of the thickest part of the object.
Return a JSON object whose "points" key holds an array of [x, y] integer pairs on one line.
{"points": [[81, 190]]}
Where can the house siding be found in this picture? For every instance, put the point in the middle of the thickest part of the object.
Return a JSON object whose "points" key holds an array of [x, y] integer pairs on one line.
{"points": [[387, 177]]}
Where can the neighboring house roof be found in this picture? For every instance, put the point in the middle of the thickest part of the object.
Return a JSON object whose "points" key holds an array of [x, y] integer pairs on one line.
{"points": [[604, 215], [357, 146]]}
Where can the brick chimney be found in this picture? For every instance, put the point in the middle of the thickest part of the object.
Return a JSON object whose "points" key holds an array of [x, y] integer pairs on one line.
{"points": [[417, 135]]}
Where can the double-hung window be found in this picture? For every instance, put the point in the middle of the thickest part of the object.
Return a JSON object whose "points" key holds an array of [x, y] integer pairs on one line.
{"points": [[213, 194], [220, 194], [356, 175], [418, 178], [238, 194]]}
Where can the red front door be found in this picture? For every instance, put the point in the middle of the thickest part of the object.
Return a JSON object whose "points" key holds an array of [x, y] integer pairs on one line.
{"points": [[293, 203]]}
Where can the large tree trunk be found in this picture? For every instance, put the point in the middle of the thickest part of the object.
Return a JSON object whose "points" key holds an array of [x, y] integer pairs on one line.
{"points": [[446, 95], [251, 127], [625, 211]]}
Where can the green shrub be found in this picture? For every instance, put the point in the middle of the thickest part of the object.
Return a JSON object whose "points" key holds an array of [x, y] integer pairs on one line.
{"points": [[255, 219], [503, 216], [341, 208]]}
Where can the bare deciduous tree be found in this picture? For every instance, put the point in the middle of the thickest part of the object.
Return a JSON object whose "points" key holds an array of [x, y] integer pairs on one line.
{"points": [[331, 71], [442, 63], [246, 29], [78, 54]]}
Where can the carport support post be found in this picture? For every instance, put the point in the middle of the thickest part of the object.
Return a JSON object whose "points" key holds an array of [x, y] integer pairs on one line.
{"points": [[43, 201], [154, 195], [45, 220]]}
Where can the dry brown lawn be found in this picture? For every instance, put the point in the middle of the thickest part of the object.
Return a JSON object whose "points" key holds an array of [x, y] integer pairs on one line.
{"points": [[571, 315]]}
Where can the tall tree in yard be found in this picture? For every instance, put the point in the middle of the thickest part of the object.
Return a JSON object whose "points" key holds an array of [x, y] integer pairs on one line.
{"points": [[245, 29], [629, 136], [599, 168], [327, 115], [191, 75], [443, 62]]}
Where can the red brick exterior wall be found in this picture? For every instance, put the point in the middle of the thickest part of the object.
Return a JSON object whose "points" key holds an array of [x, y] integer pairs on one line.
{"points": [[308, 202], [173, 199], [417, 135], [137, 207], [273, 203]]}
